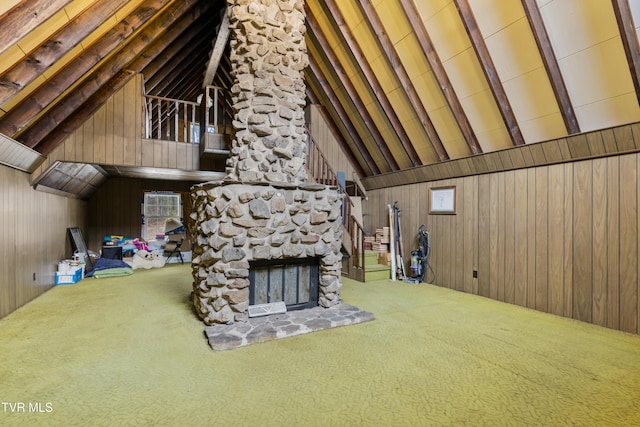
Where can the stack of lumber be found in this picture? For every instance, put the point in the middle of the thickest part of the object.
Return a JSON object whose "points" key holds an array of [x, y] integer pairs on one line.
{"points": [[381, 240]]}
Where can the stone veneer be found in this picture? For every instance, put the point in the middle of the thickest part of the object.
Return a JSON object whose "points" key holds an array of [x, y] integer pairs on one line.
{"points": [[238, 223], [268, 58], [264, 209]]}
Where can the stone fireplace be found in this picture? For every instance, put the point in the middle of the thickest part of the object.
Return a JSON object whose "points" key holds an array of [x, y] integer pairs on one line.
{"points": [[265, 210], [240, 223]]}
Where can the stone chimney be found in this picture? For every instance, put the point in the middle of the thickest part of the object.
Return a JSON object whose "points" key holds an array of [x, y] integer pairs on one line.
{"points": [[264, 211], [268, 56]]}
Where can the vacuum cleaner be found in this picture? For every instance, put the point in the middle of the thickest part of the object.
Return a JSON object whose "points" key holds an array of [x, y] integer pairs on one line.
{"points": [[420, 257]]}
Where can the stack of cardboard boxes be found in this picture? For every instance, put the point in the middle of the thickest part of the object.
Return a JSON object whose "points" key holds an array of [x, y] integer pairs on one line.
{"points": [[380, 244]]}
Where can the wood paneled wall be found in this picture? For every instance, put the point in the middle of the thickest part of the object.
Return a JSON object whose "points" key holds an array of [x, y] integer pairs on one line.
{"points": [[113, 135], [34, 238], [561, 239], [326, 141], [115, 209]]}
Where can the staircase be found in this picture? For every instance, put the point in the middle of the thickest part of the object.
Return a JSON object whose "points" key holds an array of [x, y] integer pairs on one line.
{"points": [[320, 171], [374, 270]]}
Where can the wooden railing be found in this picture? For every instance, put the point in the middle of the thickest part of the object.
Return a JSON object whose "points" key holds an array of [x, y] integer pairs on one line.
{"points": [[215, 116], [180, 121], [171, 120], [321, 171]]}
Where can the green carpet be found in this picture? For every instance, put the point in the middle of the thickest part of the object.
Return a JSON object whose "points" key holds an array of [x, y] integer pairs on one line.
{"points": [[373, 270], [129, 351]]}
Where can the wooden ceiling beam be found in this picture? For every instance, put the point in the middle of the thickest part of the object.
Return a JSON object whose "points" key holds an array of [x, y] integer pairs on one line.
{"points": [[191, 91], [58, 45], [490, 72], [15, 120], [551, 65], [24, 17], [405, 81], [190, 66], [411, 11], [373, 82], [185, 89], [185, 32], [121, 60], [629, 40], [336, 105], [225, 72], [217, 49], [352, 92], [181, 61]]}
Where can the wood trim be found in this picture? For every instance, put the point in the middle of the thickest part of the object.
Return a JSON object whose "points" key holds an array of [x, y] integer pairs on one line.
{"points": [[411, 11], [490, 72], [624, 18], [217, 50], [551, 65], [410, 91], [325, 47]]}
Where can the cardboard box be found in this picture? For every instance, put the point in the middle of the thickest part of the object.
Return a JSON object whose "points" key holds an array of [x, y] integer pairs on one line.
{"points": [[69, 278], [384, 258]]}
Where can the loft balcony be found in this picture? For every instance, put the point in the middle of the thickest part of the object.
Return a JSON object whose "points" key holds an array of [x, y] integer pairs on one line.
{"points": [[206, 123]]}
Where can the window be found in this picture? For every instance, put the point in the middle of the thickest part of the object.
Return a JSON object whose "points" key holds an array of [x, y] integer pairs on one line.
{"points": [[157, 208]]}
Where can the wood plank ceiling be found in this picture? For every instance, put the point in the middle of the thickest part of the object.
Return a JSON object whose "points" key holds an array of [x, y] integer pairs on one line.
{"points": [[403, 83]]}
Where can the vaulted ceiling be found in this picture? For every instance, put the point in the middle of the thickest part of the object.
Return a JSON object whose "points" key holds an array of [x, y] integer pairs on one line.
{"points": [[403, 83]]}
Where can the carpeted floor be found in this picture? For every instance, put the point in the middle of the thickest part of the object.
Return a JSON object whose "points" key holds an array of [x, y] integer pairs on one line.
{"points": [[129, 351]]}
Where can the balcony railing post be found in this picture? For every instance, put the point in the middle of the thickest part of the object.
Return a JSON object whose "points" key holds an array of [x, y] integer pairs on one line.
{"points": [[215, 107], [193, 121]]}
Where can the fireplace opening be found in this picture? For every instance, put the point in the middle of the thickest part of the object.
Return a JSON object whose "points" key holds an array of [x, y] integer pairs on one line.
{"points": [[293, 282]]}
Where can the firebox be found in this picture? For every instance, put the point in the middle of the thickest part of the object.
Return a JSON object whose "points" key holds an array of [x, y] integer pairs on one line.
{"points": [[292, 281]]}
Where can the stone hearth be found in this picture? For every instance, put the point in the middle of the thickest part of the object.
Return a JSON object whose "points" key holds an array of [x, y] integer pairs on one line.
{"points": [[262, 329]]}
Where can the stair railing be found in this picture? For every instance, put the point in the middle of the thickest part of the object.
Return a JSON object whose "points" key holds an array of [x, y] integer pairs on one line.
{"points": [[321, 171]]}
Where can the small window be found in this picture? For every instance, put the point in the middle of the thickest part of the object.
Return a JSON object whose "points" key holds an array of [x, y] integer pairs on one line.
{"points": [[157, 208]]}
